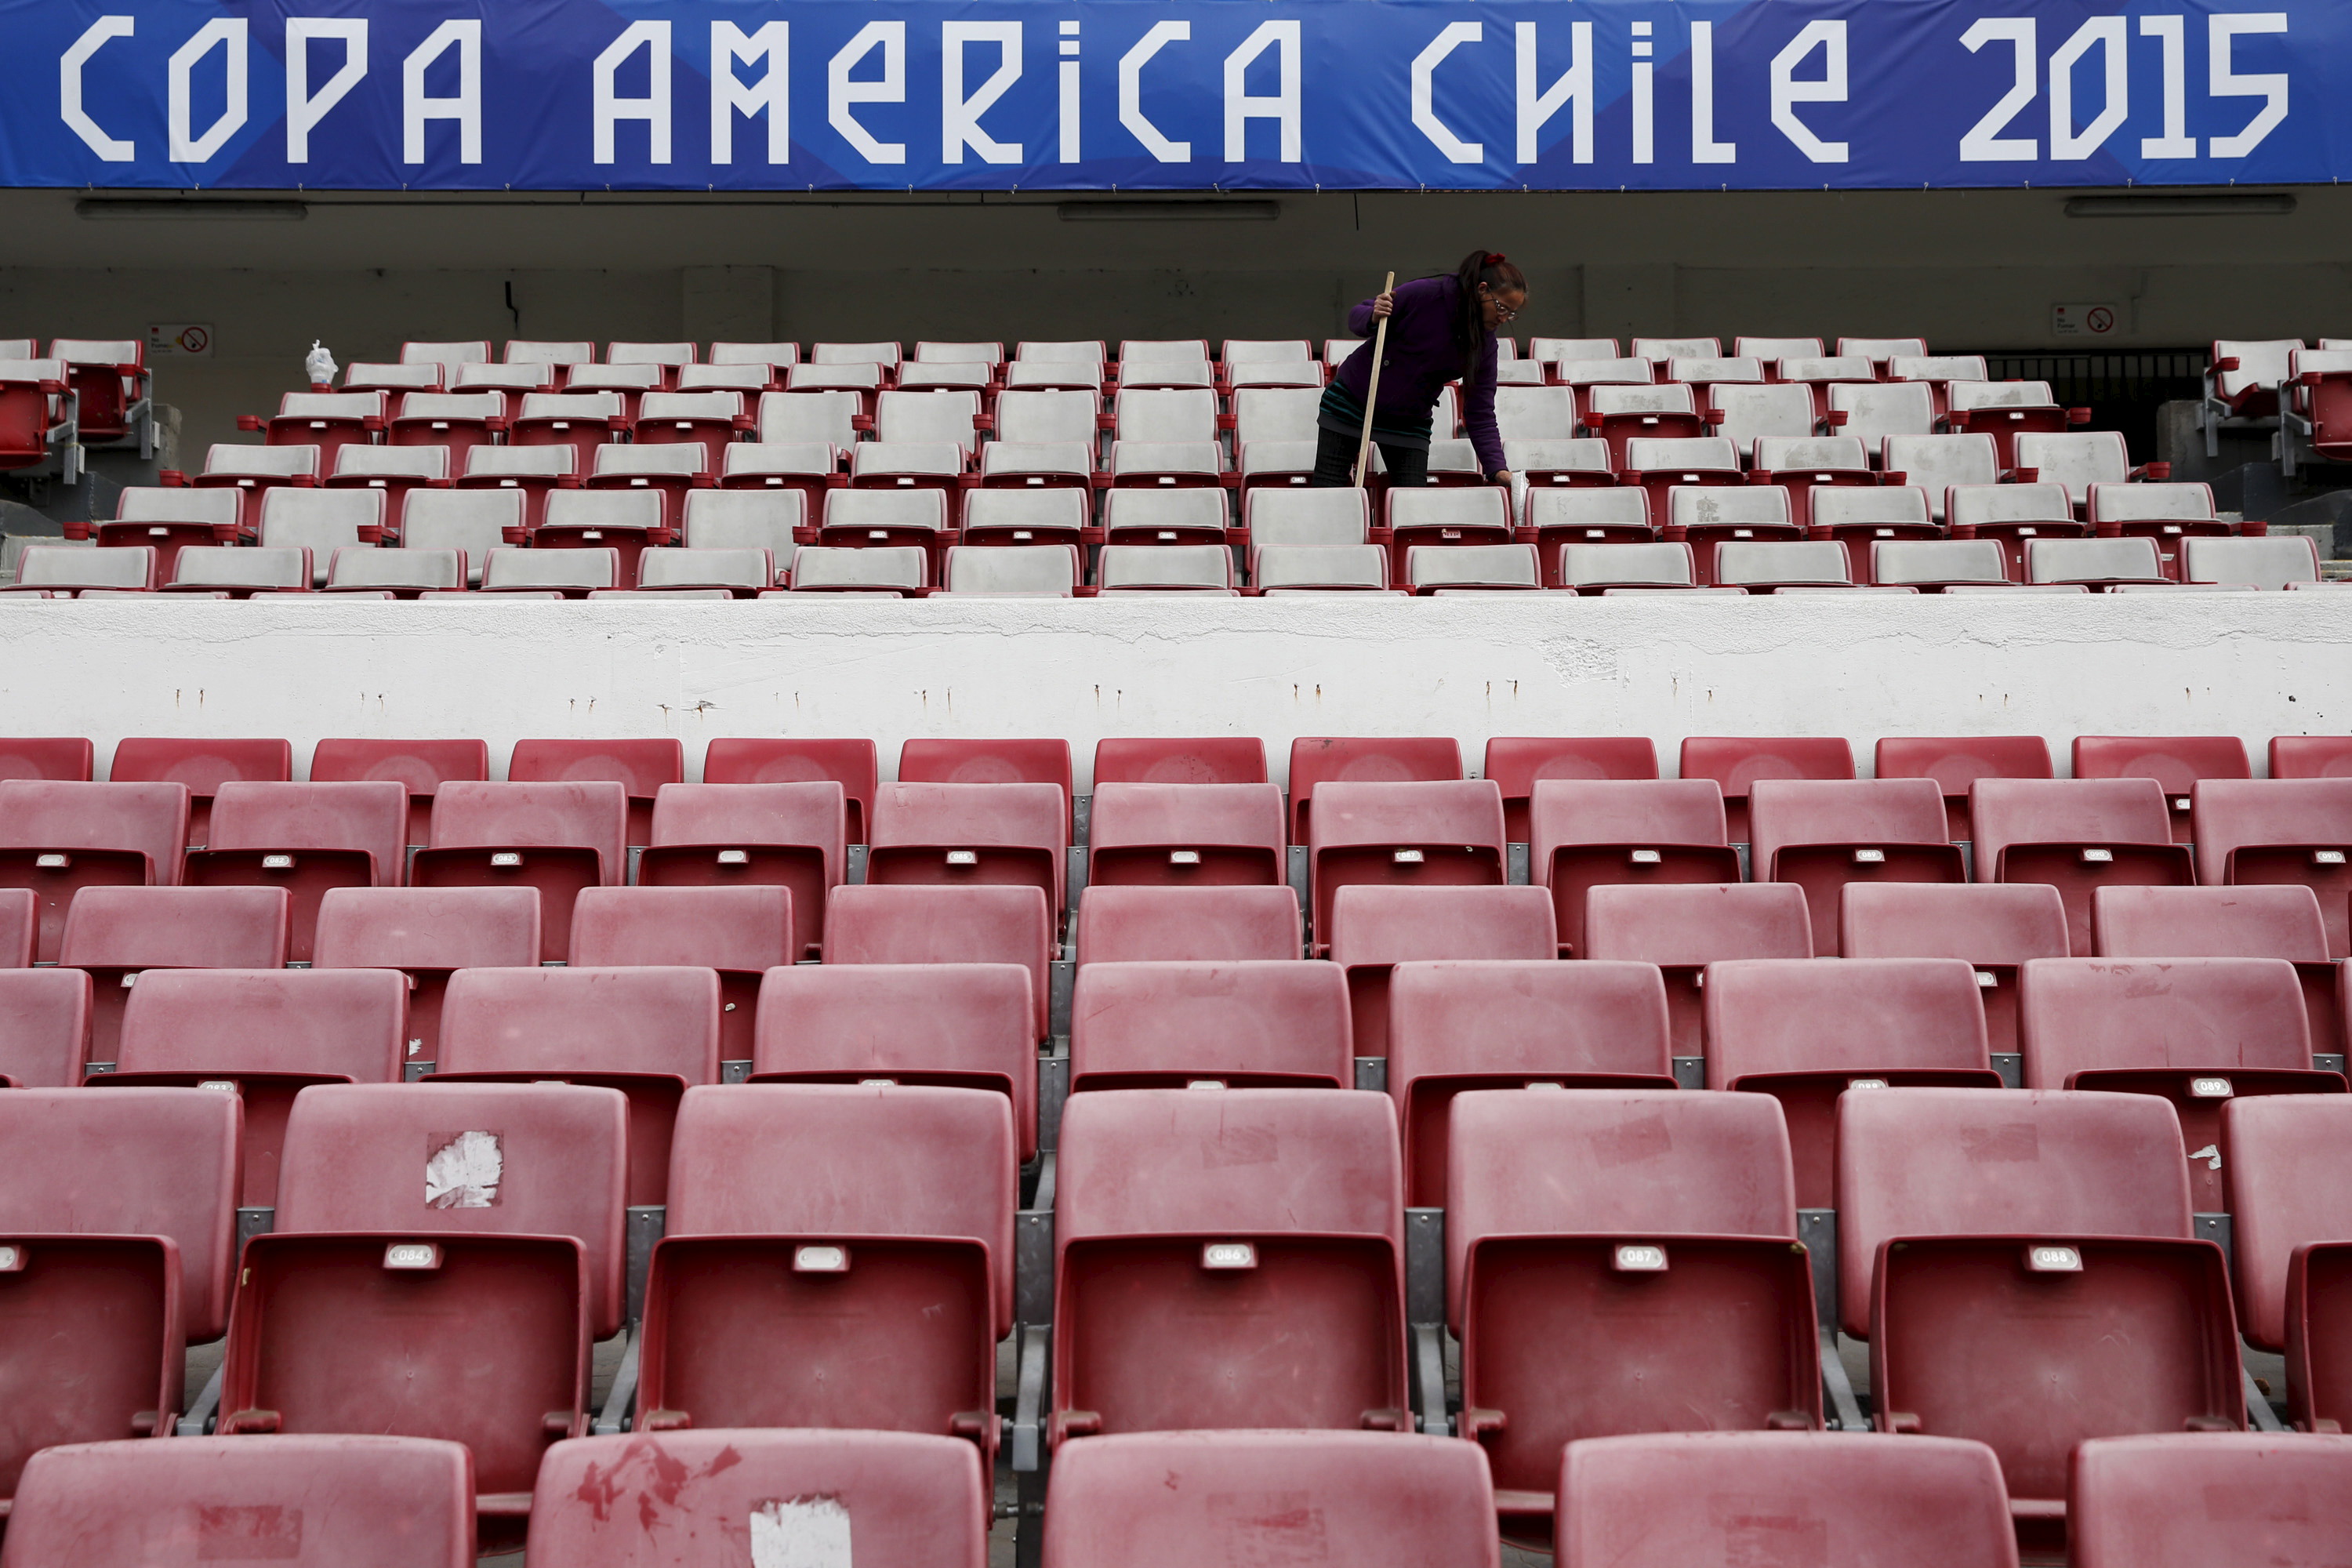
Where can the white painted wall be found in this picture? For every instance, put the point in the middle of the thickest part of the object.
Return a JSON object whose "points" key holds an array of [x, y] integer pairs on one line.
{"points": [[2255, 665]]}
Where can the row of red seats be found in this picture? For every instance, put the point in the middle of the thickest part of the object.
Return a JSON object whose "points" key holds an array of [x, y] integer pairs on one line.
{"points": [[2025, 1269], [1174, 1500]]}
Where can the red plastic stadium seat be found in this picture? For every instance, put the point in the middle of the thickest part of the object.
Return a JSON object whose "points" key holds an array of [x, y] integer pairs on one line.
{"points": [[355, 1502], [1461, 1024], [58, 839], [1517, 764], [2288, 1160], [2228, 922], [1824, 834], [116, 933], [2024, 1269], [1736, 762], [1431, 833], [557, 838], [429, 934], [2175, 761], [1683, 929], [1187, 924], [945, 925], [20, 926], [264, 1036], [1957, 763], [2253, 833], [2292, 756], [122, 1210], [1209, 759], [952, 1026], [1996, 929], [65, 759], [652, 1033], [1315, 761], [2197, 1032], [1836, 1499], [2077, 834], [422, 767], [2185, 1499], [758, 759], [742, 932], [989, 761], [790, 836], [1617, 1260], [687, 1497], [1254, 1025], [202, 765], [1197, 1232], [836, 1256], [1806, 1032], [1591, 833], [460, 1304], [970, 835], [1185, 834], [641, 767], [1375, 929], [1179, 1499], [43, 1027], [306, 838]]}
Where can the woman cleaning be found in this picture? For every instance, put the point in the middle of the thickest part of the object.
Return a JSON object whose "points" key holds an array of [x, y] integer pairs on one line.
{"points": [[1440, 330]]}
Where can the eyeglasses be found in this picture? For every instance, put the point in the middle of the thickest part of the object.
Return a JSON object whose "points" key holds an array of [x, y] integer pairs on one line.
{"points": [[1503, 312]]}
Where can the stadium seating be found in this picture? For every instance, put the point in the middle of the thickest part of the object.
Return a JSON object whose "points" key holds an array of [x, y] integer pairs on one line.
{"points": [[1182, 834], [1173, 1499], [2167, 1501], [972, 835], [556, 838], [945, 925], [20, 914], [1324, 759], [1252, 1025], [1996, 929], [263, 1037], [203, 765], [642, 766], [2075, 835], [420, 765], [2194, 1031], [118, 934], [120, 1218], [66, 759], [306, 838], [59, 837], [1617, 1258], [1590, 832], [1517, 764], [506, 1258], [1201, 1231], [2177, 763], [1684, 929], [787, 835], [1461, 1024], [1372, 929], [1957, 762], [1208, 759], [1164, 569], [764, 760], [741, 932], [1419, 834], [1211, 924], [1824, 834], [428, 934], [43, 1027], [1806, 1032], [2249, 833], [2023, 1267], [1736, 762], [2280, 922], [2284, 1158], [2291, 756], [694, 1496], [215, 569], [358, 1501], [1834, 1499], [875, 1301]]}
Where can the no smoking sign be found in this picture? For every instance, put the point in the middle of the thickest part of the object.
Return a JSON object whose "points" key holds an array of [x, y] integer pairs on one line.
{"points": [[2086, 320]]}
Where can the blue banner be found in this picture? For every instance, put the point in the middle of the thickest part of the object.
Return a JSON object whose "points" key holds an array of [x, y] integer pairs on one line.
{"points": [[735, 94]]}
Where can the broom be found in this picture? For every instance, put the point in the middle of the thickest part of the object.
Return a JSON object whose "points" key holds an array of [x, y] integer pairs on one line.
{"points": [[1372, 388]]}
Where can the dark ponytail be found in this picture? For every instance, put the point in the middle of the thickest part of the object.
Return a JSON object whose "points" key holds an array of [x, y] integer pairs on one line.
{"points": [[1493, 269]]}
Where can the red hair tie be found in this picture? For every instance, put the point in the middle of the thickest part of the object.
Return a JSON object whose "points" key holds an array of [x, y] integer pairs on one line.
{"points": [[1495, 259]]}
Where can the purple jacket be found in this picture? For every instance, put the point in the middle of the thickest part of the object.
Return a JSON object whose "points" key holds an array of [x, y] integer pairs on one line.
{"points": [[1423, 356]]}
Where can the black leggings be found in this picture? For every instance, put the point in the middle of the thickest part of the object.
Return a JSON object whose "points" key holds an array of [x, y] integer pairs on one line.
{"points": [[1335, 462]]}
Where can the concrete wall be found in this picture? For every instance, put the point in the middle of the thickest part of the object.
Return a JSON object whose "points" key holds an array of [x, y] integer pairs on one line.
{"points": [[1548, 665], [1970, 269]]}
